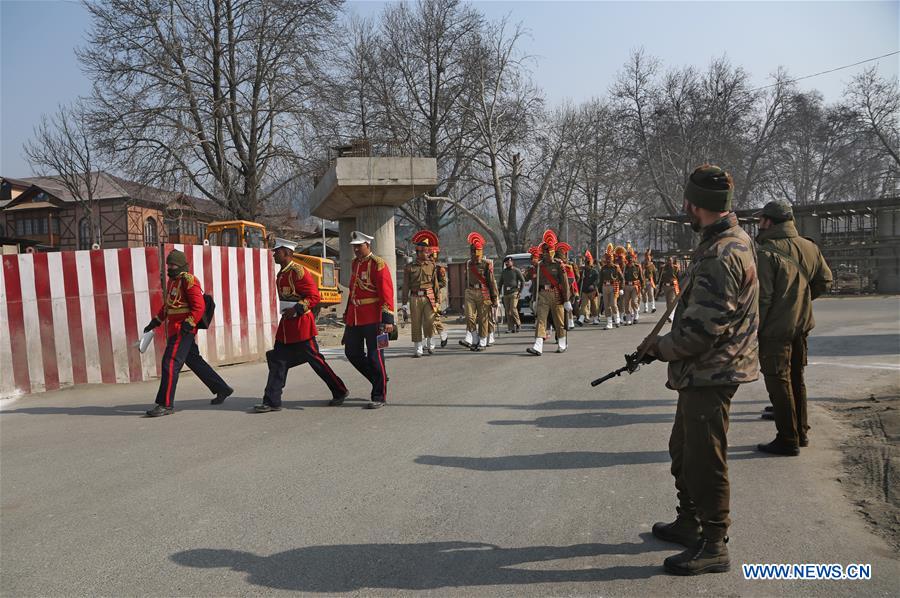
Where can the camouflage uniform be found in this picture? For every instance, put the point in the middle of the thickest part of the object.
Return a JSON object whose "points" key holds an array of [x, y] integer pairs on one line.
{"points": [[792, 272], [711, 349]]}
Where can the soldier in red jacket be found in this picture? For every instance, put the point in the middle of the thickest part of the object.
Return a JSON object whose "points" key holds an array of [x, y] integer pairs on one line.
{"points": [[183, 307], [370, 311], [295, 339]]}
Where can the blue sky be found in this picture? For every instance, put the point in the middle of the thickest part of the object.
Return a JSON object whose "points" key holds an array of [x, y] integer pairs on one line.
{"points": [[579, 47]]}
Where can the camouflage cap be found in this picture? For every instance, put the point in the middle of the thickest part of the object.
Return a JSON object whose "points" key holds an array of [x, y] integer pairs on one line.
{"points": [[777, 210], [177, 258]]}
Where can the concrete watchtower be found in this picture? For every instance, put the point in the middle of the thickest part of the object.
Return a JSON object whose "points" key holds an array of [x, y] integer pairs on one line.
{"points": [[361, 193]]}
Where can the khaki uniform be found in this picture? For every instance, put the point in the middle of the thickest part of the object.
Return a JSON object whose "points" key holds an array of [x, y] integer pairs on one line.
{"points": [[711, 349], [668, 281], [792, 272], [422, 291], [480, 295], [511, 282], [442, 284], [632, 276], [551, 296], [648, 289], [610, 281]]}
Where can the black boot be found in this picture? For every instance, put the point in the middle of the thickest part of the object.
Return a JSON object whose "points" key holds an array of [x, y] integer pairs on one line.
{"points": [[158, 411], [706, 557], [221, 396], [779, 447], [685, 530]]}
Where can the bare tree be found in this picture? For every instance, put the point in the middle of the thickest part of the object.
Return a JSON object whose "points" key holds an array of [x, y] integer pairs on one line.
{"points": [[214, 92], [876, 103], [63, 149]]}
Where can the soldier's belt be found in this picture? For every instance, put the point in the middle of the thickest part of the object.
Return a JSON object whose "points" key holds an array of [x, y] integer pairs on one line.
{"points": [[419, 293], [477, 285], [547, 287], [177, 310], [367, 301]]}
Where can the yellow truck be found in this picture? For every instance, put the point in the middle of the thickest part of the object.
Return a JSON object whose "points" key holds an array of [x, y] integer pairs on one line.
{"points": [[243, 233]]}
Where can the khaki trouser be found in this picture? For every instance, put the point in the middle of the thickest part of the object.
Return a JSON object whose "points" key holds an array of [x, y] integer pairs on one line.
{"points": [[632, 299], [648, 293], [610, 301], [421, 312], [699, 449], [671, 297], [477, 312], [590, 305], [781, 363], [548, 304], [511, 306]]}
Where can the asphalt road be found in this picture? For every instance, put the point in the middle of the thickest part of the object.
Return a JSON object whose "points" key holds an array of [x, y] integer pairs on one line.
{"points": [[492, 474]]}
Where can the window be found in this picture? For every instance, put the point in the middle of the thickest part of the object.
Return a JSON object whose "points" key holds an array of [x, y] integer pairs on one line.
{"points": [[253, 237], [54, 224], [327, 274], [151, 237], [202, 227], [229, 237], [32, 226], [172, 226]]}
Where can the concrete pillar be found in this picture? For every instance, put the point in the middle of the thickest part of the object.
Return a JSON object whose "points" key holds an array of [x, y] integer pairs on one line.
{"points": [[345, 227], [378, 221]]}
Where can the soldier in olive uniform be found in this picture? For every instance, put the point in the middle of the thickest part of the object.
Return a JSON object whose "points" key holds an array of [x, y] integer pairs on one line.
{"points": [[632, 276], [610, 283], [590, 291], [648, 288], [442, 284], [792, 272], [480, 296], [668, 283], [711, 349], [551, 285], [511, 283], [421, 287]]}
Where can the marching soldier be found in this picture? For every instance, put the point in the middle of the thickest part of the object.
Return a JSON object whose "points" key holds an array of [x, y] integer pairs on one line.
{"points": [[711, 349], [442, 284], [792, 273], [370, 311], [182, 308], [551, 286], [511, 282], [610, 284], [420, 281], [295, 339], [480, 296], [668, 283], [590, 291], [632, 276], [562, 255], [648, 288], [621, 261]]}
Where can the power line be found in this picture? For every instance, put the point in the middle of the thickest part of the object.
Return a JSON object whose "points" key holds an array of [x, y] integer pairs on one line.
{"points": [[840, 68]]}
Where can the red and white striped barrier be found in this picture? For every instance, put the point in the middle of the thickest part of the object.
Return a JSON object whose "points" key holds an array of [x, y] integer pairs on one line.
{"points": [[74, 317]]}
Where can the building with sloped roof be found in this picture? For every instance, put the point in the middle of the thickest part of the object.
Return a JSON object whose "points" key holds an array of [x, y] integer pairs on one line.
{"points": [[44, 213]]}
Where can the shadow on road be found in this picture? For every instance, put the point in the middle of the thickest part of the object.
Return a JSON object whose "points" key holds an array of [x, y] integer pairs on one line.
{"points": [[424, 566], [232, 404], [602, 420], [854, 344], [569, 460]]}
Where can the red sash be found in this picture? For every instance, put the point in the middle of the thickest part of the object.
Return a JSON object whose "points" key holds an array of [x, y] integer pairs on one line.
{"points": [[481, 280], [553, 282]]}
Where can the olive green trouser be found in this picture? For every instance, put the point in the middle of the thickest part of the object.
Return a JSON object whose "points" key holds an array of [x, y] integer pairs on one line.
{"points": [[477, 312], [511, 306], [781, 363], [610, 303], [632, 299], [422, 316], [548, 304], [699, 449], [590, 305], [671, 297]]}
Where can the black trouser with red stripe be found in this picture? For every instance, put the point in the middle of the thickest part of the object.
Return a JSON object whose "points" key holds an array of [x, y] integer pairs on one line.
{"points": [[285, 356], [361, 348], [181, 350]]}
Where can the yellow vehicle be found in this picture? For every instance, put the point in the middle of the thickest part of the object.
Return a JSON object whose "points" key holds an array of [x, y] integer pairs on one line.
{"points": [[242, 233]]}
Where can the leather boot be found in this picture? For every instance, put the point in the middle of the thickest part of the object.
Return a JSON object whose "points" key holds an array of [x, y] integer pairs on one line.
{"points": [[779, 447], [707, 556], [685, 530]]}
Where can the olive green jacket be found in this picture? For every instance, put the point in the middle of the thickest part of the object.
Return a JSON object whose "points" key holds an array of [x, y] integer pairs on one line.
{"points": [[792, 272], [713, 339]]}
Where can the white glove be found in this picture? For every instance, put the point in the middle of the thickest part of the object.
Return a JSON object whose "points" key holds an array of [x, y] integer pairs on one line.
{"points": [[621, 292], [568, 306], [405, 307]]}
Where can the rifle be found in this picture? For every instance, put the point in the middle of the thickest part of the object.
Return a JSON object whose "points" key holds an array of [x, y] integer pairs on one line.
{"points": [[634, 360]]}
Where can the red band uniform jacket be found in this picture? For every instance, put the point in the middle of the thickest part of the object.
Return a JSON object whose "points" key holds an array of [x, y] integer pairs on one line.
{"points": [[371, 293], [296, 283], [183, 303]]}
